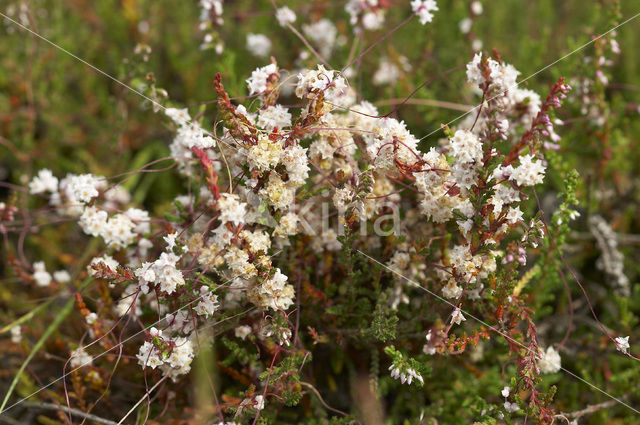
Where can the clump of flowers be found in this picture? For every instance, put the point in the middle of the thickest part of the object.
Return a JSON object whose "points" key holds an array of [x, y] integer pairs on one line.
{"points": [[218, 255]]}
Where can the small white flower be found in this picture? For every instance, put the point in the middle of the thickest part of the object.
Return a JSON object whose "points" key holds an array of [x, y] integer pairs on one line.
{"points": [[529, 172], [179, 116], [505, 392], [80, 358], [82, 188], [465, 25], [16, 334], [62, 276], [105, 260], [259, 402], [208, 304], [231, 209], [476, 8], [257, 83], [91, 318], [147, 356], [274, 116], [170, 239], [40, 274], [285, 16], [457, 317], [258, 45], [465, 147], [322, 33], [511, 407], [242, 332], [423, 9], [622, 344], [550, 361]]}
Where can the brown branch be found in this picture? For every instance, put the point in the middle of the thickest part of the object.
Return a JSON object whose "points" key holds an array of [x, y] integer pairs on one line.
{"points": [[589, 410]]}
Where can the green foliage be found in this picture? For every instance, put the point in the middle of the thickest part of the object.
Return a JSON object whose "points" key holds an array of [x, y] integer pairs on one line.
{"points": [[384, 323], [237, 353]]}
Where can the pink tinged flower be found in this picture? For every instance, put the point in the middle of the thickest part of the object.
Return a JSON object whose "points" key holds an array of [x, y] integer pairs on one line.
{"points": [[457, 317], [615, 47]]}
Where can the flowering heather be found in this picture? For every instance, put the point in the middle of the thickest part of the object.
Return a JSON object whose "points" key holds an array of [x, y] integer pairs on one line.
{"points": [[319, 213]]}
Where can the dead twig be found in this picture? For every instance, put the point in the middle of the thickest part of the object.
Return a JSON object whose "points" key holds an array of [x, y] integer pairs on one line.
{"points": [[70, 410]]}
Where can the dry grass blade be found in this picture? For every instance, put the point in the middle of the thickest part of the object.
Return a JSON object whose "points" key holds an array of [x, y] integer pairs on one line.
{"points": [[68, 307]]}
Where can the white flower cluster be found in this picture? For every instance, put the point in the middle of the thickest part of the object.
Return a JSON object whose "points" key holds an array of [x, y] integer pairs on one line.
{"points": [[502, 79], [285, 16], [258, 45], [424, 9], [209, 8], [210, 16], [45, 181], [368, 12], [389, 71], [105, 260], [79, 358], [611, 260], [549, 361], [242, 332], [172, 355], [232, 210], [82, 188], [162, 272], [256, 402], [457, 317], [467, 269], [40, 274], [313, 82], [117, 231], [265, 154], [324, 35], [189, 135], [274, 116], [272, 195], [503, 76], [465, 147], [529, 173], [257, 83], [274, 293], [208, 303], [509, 406], [390, 143], [71, 197]]}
